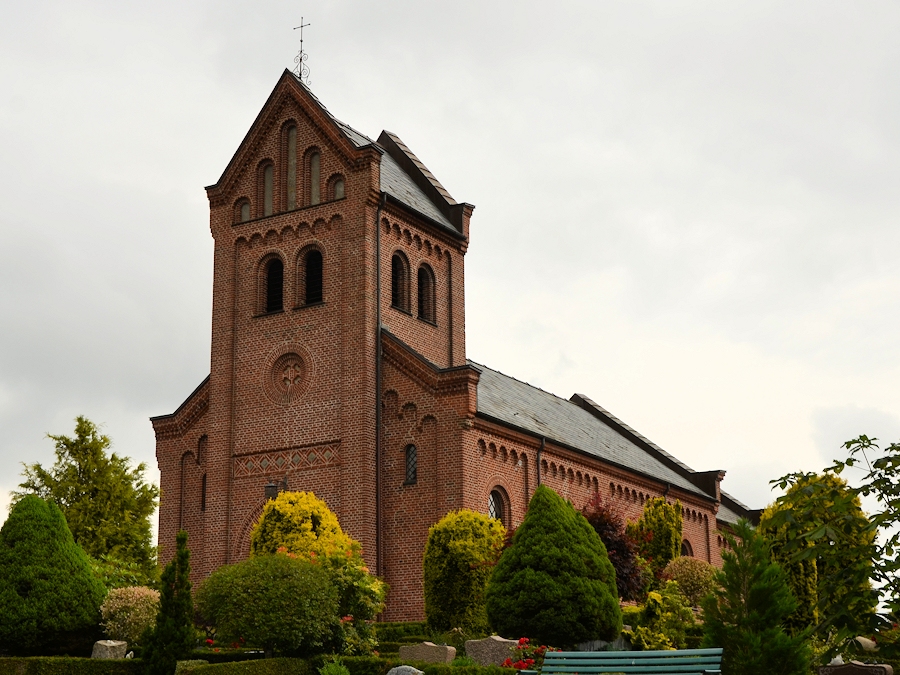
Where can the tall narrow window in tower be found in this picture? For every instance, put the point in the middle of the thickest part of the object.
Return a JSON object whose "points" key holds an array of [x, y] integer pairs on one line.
{"points": [[242, 210], [274, 285], [399, 282], [338, 189], [268, 189], [312, 265], [426, 293], [203, 493], [412, 465], [291, 200], [315, 176], [496, 506]]}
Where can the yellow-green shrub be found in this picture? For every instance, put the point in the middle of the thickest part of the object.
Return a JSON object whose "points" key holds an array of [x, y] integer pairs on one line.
{"points": [[459, 555], [663, 621], [302, 524], [658, 533]]}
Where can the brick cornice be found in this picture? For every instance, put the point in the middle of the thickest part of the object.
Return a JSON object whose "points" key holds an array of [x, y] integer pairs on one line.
{"points": [[176, 424], [440, 381]]}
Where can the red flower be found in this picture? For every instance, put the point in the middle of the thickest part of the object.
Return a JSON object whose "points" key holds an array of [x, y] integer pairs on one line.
{"points": [[209, 641]]}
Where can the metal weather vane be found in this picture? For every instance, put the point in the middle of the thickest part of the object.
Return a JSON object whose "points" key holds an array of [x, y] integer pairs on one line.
{"points": [[301, 70]]}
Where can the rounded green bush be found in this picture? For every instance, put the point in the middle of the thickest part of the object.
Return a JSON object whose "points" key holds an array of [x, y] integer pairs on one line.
{"points": [[49, 598], [695, 577], [282, 604], [555, 583], [128, 612], [458, 562]]}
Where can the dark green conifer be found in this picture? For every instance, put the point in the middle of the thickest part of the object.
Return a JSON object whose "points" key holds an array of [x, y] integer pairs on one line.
{"points": [[49, 598], [173, 637], [555, 583], [746, 616]]}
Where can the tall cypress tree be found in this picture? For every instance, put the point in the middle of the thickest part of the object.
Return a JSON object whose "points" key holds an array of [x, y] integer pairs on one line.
{"points": [[555, 583], [172, 638], [746, 616]]}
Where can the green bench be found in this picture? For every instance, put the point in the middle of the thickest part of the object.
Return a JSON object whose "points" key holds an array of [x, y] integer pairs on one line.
{"points": [[682, 662]]}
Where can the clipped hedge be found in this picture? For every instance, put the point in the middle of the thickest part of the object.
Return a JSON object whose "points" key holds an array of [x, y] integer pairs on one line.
{"points": [[229, 656], [64, 665], [276, 666], [357, 665], [399, 631]]}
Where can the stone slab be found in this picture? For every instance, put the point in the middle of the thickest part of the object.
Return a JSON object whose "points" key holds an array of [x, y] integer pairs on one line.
{"points": [[109, 649], [427, 652], [491, 651]]}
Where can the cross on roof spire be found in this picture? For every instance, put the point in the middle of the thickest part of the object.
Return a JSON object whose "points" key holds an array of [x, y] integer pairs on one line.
{"points": [[301, 70]]}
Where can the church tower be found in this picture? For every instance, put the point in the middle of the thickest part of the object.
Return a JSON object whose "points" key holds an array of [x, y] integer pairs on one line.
{"points": [[325, 242]]}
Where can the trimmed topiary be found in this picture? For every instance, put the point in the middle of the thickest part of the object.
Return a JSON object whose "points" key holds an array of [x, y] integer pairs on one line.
{"points": [[49, 598], [555, 583], [172, 638], [658, 533], [695, 577], [459, 556], [128, 612], [283, 604]]}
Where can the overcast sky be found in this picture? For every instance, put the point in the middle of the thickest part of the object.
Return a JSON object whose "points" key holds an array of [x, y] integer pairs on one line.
{"points": [[687, 211]]}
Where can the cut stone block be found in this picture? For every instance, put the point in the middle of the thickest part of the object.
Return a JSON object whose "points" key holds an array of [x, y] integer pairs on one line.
{"points": [[491, 651], [109, 649], [427, 652]]}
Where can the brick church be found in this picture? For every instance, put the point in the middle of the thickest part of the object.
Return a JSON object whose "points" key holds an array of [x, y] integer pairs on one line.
{"points": [[338, 365]]}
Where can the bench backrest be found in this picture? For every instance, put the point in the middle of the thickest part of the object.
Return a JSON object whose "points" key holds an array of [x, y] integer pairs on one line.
{"points": [[683, 662]]}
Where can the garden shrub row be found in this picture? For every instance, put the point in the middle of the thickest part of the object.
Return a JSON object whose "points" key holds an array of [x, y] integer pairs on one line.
{"points": [[64, 665], [357, 665]]}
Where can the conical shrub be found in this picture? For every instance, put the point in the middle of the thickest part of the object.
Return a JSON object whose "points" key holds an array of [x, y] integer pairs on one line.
{"points": [[555, 583], [49, 599]]}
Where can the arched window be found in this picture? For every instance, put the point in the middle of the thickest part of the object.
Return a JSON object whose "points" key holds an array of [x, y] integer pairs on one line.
{"points": [[242, 211], [274, 285], [338, 189], [426, 293], [496, 506], [686, 549], [268, 188], [312, 276], [291, 186], [315, 177], [201, 448], [399, 282], [203, 493], [412, 465]]}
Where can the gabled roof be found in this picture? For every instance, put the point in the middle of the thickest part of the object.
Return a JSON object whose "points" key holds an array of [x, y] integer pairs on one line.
{"points": [[571, 424], [405, 179]]}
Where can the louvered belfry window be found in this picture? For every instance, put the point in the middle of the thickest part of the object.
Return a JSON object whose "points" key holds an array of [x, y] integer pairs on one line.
{"points": [[274, 285], [412, 465], [313, 277]]}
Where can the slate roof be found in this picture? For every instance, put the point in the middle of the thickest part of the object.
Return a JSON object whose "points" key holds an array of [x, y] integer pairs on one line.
{"points": [[394, 180], [397, 183], [507, 400]]}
